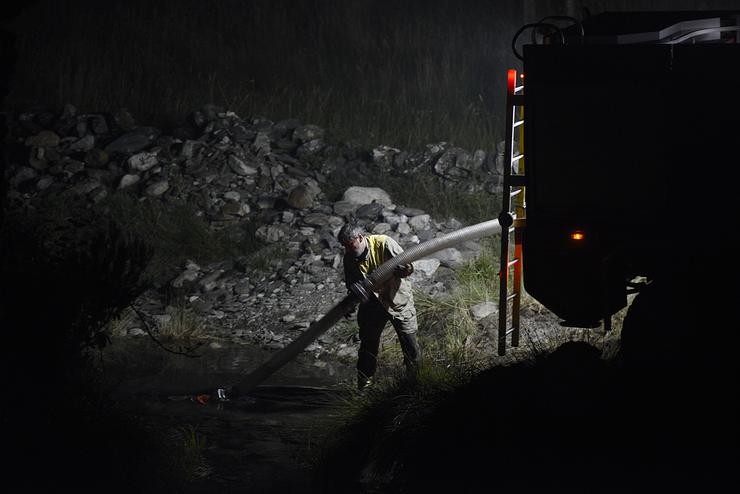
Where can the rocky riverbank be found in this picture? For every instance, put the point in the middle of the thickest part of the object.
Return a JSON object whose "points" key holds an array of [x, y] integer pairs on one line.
{"points": [[235, 171], [270, 175], [273, 180]]}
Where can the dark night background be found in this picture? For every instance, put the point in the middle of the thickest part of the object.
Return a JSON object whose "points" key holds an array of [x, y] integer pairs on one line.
{"points": [[380, 71], [376, 71]]}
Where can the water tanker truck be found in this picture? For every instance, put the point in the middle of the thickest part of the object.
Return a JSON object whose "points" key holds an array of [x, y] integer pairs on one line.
{"points": [[621, 133], [622, 136]]}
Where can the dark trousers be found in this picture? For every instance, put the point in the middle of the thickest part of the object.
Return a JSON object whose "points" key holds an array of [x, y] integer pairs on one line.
{"points": [[372, 318]]}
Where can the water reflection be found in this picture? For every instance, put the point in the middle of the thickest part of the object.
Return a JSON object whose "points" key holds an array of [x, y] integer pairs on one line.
{"points": [[137, 366]]}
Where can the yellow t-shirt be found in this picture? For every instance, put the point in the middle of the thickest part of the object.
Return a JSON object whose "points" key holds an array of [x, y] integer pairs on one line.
{"points": [[396, 294]]}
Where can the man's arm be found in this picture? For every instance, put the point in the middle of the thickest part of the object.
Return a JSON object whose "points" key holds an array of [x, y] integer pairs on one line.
{"points": [[392, 249]]}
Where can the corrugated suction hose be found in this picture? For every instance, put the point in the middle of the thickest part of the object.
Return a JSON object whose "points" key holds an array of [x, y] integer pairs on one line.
{"points": [[379, 276]]}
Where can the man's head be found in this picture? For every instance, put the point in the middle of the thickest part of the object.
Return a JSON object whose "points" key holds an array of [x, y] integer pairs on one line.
{"points": [[352, 238]]}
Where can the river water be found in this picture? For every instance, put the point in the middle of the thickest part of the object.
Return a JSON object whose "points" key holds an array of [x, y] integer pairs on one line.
{"points": [[138, 366], [261, 442]]}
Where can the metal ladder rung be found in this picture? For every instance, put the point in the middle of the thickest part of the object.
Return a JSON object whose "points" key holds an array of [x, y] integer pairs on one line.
{"points": [[510, 330], [517, 157], [512, 297], [518, 123], [515, 192], [518, 88], [512, 262]]}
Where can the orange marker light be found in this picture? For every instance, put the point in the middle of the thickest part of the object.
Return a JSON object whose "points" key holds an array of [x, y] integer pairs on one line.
{"points": [[577, 235]]}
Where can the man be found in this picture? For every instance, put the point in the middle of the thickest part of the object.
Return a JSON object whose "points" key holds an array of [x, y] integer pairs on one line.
{"points": [[393, 301]]}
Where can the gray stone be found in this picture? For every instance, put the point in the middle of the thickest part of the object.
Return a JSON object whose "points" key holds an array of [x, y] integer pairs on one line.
{"points": [[261, 144], [239, 167], [128, 180], [383, 156], [366, 195], [425, 267], [157, 188], [403, 228], [482, 310], [344, 208], [270, 233], [24, 174], [409, 211], [370, 211], [86, 143], [394, 219], [143, 161], [450, 257], [209, 282], [133, 142], [420, 223], [309, 148], [453, 224], [308, 133], [189, 148], [232, 195], [316, 219], [44, 183], [300, 197], [381, 228]]}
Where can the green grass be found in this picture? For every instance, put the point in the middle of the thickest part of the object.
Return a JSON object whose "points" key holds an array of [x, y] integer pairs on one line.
{"points": [[448, 332], [183, 324], [176, 233], [188, 445]]}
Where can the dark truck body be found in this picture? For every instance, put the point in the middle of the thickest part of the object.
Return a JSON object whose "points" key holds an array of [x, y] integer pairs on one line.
{"points": [[633, 142]]}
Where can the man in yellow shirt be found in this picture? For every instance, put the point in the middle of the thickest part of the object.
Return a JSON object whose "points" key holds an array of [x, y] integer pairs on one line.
{"points": [[393, 301]]}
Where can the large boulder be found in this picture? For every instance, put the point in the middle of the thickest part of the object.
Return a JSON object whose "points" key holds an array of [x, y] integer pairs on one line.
{"points": [[367, 195]]}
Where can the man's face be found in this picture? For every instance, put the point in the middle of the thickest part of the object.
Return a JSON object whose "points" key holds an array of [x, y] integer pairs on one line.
{"points": [[355, 246]]}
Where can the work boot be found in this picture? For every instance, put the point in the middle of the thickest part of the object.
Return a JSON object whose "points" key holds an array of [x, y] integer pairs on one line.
{"points": [[363, 383]]}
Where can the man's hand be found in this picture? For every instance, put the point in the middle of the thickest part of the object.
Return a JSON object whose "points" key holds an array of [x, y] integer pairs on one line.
{"points": [[358, 288], [404, 270]]}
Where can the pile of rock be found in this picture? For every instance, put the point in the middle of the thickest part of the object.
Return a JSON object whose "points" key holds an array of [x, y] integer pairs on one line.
{"points": [[228, 167], [232, 170]]}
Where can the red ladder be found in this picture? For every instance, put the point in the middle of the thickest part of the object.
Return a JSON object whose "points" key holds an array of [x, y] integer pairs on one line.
{"points": [[512, 216]]}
